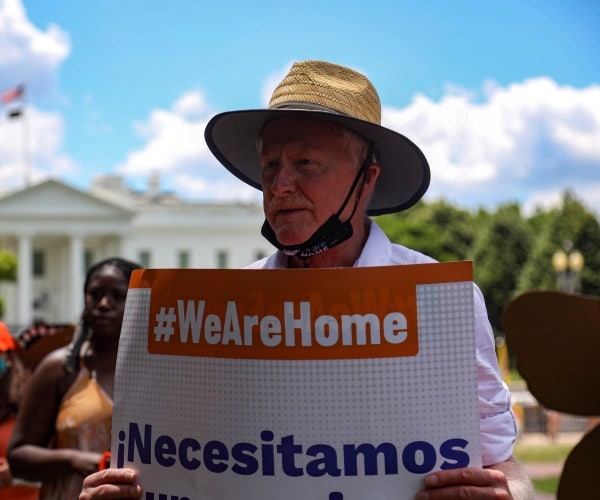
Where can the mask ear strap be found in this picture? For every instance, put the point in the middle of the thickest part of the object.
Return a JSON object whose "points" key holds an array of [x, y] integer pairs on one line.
{"points": [[359, 175]]}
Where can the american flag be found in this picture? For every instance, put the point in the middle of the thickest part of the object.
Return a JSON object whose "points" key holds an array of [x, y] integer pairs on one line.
{"points": [[12, 94]]}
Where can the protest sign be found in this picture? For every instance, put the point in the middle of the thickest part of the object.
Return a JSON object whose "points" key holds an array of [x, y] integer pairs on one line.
{"points": [[327, 383]]}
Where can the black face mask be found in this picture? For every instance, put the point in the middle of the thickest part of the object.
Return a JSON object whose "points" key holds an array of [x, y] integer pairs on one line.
{"points": [[332, 232]]}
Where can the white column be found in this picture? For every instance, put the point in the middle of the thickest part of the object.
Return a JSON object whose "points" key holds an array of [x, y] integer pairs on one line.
{"points": [[76, 273], [25, 281]]}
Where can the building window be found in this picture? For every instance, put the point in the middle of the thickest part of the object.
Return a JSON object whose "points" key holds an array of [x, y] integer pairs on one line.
{"points": [[222, 259], [183, 259], [39, 263], [144, 258]]}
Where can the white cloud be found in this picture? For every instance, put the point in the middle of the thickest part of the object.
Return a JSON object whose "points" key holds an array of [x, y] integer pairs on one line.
{"points": [[174, 145], [221, 188], [552, 198], [29, 55], [31, 147], [191, 105], [544, 200], [526, 142], [520, 141]]}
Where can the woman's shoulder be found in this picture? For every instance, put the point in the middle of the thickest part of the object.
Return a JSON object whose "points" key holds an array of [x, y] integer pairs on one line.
{"points": [[53, 362], [56, 356], [51, 374]]}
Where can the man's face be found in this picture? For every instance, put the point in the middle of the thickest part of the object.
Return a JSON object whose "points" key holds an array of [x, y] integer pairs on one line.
{"points": [[307, 171]]}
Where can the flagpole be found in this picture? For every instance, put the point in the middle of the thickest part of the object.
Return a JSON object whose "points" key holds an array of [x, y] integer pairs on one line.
{"points": [[18, 93], [26, 172]]}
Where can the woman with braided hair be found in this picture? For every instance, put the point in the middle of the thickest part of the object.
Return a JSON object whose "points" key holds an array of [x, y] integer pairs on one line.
{"points": [[64, 421]]}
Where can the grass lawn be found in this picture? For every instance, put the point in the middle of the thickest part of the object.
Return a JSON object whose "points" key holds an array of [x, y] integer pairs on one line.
{"points": [[543, 453], [546, 484]]}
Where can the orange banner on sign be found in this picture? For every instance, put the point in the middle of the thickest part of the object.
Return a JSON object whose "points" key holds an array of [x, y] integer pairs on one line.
{"points": [[289, 314]]}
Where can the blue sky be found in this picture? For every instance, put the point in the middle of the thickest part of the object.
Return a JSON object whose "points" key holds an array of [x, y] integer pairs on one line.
{"points": [[503, 97]]}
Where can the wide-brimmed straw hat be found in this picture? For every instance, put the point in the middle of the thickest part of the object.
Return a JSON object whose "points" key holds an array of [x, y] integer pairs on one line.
{"points": [[339, 95]]}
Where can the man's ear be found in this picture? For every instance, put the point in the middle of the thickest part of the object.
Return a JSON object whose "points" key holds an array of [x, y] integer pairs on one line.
{"points": [[371, 177]]}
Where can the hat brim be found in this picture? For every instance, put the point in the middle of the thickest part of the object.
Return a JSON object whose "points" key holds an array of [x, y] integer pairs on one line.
{"points": [[404, 177]]}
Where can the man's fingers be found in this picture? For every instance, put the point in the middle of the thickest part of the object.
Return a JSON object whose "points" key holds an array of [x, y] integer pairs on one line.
{"points": [[468, 476], [111, 483], [119, 476]]}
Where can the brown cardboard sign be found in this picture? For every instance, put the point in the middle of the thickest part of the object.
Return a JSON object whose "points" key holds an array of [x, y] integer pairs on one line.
{"points": [[555, 337]]}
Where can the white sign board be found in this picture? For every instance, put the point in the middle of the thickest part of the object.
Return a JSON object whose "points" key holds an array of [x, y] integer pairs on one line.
{"points": [[330, 384]]}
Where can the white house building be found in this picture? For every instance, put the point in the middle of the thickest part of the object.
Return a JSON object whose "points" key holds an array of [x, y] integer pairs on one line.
{"points": [[57, 232]]}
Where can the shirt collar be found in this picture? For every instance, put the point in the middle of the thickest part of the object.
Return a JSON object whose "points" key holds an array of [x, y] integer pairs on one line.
{"points": [[377, 250]]}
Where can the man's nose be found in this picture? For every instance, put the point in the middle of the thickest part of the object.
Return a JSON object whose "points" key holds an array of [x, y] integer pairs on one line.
{"points": [[284, 179]]}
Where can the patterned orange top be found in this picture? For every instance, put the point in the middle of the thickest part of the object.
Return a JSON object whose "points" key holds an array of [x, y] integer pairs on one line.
{"points": [[83, 422]]}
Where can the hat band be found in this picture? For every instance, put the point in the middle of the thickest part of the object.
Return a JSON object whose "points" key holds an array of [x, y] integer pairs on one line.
{"points": [[308, 106]]}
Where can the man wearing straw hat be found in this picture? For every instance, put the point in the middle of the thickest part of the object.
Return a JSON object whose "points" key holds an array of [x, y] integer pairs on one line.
{"points": [[325, 164]]}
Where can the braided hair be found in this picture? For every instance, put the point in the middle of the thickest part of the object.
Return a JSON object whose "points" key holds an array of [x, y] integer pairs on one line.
{"points": [[82, 331]]}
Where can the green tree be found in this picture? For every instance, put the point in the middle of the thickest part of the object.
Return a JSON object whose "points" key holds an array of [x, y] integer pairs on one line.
{"points": [[587, 241], [512, 253], [439, 230], [8, 266], [537, 272], [8, 271], [573, 224], [500, 253]]}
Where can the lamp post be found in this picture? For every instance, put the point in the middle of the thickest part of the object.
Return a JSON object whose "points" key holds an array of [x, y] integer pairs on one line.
{"points": [[568, 263]]}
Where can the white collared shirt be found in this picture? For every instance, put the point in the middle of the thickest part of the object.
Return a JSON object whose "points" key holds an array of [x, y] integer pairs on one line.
{"points": [[497, 426]]}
